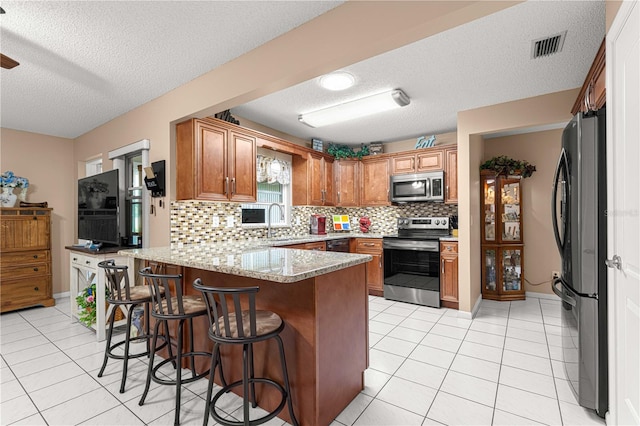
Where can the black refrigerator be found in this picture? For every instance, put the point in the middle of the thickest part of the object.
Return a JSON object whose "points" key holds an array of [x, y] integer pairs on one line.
{"points": [[579, 205]]}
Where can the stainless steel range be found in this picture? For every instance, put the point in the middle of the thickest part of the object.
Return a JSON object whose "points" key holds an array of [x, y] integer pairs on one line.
{"points": [[412, 260]]}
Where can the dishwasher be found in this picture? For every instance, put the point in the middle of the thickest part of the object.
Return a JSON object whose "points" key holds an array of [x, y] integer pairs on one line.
{"points": [[341, 245]]}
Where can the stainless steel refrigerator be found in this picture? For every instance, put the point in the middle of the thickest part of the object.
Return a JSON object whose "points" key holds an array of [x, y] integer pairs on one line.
{"points": [[579, 205]]}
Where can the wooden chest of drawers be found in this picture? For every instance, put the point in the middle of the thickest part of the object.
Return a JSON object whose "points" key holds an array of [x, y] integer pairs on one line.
{"points": [[25, 258]]}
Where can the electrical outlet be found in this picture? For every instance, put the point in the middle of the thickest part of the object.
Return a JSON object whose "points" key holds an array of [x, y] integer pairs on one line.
{"points": [[215, 221], [555, 274], [229, 221]]}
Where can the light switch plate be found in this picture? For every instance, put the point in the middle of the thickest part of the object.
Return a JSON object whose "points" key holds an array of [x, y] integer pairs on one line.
{"points": [[215, 221], [229, 221]]}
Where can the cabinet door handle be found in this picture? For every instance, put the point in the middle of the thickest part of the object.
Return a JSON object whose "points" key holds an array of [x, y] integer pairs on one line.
{"points": [[368, 244], [233, 186], [35, 218], [226, 185], [35, 269], [380, 263], [338, 196], [449, 248], [87, 262], [447, 191], [442, 266]]}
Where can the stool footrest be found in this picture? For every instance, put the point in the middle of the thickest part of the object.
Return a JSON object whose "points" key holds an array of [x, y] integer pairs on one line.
{"points": [[143, 337], [261, 420], [191, 355]]}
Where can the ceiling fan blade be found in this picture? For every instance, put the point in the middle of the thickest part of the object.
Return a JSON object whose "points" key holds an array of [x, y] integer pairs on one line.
{"points": [[7, 62]]}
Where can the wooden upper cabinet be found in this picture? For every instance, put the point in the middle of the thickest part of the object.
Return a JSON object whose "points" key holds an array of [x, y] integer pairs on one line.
{"points": [[312, 180], [451, 175], [316, 180], [211, 169], [347, 182], [593, 94], [242, 167], [374, 181], [214, 162], [416, 162]]}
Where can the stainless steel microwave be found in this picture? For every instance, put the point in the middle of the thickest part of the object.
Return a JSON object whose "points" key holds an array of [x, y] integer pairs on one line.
{"points": [[417, 187]]}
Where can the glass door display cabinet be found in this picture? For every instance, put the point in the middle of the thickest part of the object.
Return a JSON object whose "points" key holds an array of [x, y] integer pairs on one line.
{"points": [[501, 231]]}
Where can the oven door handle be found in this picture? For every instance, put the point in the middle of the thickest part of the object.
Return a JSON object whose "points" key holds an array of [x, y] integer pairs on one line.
{"points": [[417, 247]]}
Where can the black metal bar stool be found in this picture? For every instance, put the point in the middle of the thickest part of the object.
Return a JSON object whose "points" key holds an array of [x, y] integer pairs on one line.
{"points": [[248, 327], [181, 308], [122, 295]]}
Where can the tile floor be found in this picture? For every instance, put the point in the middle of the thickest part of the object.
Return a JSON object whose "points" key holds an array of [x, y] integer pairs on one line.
{"points": [[427, 366]]}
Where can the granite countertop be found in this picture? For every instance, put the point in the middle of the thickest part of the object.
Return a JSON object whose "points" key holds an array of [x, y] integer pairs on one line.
{"points": [[301, 239], [451, 238], [253, 258]]}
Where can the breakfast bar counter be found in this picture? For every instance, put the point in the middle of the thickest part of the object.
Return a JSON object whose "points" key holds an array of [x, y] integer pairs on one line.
{"points": [[321, 296]]}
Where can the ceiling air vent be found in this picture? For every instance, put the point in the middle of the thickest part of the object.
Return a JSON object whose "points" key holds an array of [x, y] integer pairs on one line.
{"points": [[548, 45]]}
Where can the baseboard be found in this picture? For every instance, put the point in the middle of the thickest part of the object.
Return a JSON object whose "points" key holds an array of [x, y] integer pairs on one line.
{"points": [[474, 311], [63, 295], [542, 295]]}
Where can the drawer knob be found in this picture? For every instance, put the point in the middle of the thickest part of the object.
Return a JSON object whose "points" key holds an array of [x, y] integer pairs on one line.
{"points": [[87, 262], [75, 259], [35, 269], [35, 256], [36, 288], [449, 248]]}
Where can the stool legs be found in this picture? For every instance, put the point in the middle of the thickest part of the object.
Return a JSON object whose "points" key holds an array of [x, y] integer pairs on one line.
{"points": [[112, 319], [156, 327], [176, 420], [285, 375], [216, 362], [127, 339]]}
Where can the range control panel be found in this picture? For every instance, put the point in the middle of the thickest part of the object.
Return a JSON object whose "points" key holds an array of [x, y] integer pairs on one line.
{"points": [[423, 223]]}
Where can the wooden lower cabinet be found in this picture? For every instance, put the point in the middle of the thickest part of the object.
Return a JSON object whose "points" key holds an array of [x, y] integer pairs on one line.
{"points": [[449, 274], [374, 268], [25, 258]]}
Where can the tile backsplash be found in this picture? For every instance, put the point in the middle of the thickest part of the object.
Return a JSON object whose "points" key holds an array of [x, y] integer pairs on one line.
{"points": [[192, 221]]}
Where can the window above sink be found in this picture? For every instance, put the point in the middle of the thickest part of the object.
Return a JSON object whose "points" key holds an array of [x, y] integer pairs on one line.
{"points": [[273, 186]]}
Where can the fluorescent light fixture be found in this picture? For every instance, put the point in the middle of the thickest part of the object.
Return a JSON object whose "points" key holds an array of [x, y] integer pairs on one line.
{"points": [[355, 109], [338, 80]]}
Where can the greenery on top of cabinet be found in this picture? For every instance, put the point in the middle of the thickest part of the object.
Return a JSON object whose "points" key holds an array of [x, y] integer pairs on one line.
{"points": [[345, 151]]}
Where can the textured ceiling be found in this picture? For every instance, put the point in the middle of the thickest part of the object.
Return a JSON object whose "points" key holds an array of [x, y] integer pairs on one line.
{"points": [[485, 62], [83, 63]]}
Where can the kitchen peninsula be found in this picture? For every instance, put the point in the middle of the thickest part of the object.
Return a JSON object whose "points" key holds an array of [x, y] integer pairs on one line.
{"points": [[321, 296]]}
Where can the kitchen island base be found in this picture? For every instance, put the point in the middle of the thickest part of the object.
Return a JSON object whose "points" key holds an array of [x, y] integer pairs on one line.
{"points": [[325, 339]]}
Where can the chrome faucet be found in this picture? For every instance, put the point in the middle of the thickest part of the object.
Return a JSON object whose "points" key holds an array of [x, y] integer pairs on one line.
{"points": [[269, 217]]}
